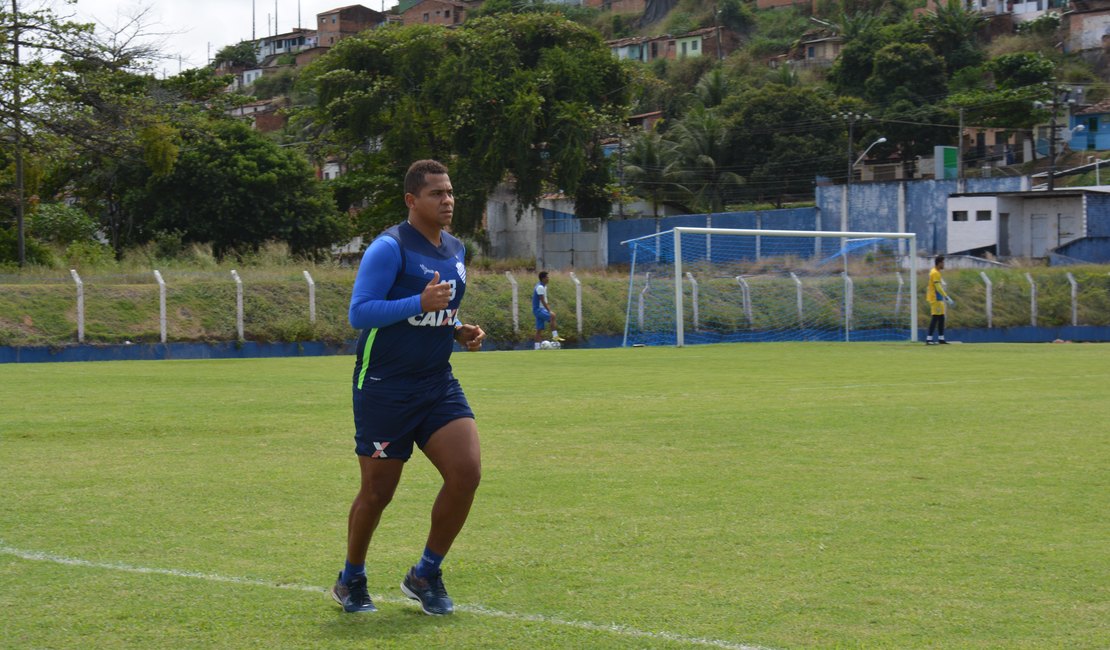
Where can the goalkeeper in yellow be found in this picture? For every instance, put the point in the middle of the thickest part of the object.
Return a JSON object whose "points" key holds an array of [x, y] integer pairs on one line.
{"points": [[937, 297]]}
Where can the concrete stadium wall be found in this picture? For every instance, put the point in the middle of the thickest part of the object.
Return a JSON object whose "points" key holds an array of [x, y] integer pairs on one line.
{"points": [[918, 206]]}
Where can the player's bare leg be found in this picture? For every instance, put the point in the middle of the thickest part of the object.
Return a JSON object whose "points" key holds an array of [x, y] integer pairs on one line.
{"points": [[380, 477], [455, 452], [379, 482]]}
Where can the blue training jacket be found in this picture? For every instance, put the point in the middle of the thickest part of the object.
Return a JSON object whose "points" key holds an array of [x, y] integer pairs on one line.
{"points": [[399, 342]]}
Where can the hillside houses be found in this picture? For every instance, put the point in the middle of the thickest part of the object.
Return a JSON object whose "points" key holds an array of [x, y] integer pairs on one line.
{"points": [[710, 41]]}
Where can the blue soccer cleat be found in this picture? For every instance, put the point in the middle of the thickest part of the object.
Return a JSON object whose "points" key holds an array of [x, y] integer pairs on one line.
{"points": [[429, 591], [352, 595]]}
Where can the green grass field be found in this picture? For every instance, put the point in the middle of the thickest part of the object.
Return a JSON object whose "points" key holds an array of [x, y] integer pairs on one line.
{"points": [[742, 496]]}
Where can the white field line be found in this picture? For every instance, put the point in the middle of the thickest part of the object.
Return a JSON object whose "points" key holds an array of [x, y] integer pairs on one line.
{"points": [[939, 382], [615, 629]]}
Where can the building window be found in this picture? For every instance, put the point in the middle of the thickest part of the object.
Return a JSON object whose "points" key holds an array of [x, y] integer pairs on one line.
{"points": [[684, 49], [811, 52], [959, 215], [425, 16], [694, 45], [446, 13], [982, 215]]}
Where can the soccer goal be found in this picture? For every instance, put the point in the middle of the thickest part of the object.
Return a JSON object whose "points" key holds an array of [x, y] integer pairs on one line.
{"points": [[709, 285]]}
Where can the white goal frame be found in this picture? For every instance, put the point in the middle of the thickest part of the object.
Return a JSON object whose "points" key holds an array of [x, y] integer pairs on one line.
{"points": [[910, 253]]}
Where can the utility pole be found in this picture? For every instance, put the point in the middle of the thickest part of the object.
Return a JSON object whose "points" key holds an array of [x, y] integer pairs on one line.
{"points": [[959, 155], [717, 25], [17, 123], [620, 173], [1052, 143], [253, 36]]}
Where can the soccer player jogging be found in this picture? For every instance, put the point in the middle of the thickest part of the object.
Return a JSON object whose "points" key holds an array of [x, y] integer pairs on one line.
{"points": [[406, 301], [936, 297], [542, 311]]}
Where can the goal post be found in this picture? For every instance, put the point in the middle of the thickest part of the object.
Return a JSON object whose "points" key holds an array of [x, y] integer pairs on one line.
{"points": [[703, 285]]}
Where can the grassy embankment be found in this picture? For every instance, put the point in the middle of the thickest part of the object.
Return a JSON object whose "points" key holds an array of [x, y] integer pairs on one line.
{"points": [[39, 307]]}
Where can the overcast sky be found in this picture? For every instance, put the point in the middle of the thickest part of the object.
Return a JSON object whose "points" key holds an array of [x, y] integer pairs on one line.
{"points": [[198, 24]]}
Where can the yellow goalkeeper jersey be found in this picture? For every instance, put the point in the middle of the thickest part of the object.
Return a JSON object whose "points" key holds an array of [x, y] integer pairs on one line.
{"points": [[935, 291]]}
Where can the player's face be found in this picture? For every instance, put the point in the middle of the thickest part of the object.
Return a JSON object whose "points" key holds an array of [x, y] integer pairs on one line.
{"points": [[435, 204]]}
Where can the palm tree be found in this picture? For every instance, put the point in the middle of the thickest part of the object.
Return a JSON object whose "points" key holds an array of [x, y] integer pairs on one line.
{"points": [[650, 168], [701, 148]]}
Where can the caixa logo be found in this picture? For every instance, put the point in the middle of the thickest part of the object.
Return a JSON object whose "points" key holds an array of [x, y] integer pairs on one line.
{"points": [[441, 318]]}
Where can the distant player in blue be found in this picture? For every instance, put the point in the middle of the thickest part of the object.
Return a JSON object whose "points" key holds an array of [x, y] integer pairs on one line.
{"points": [[542, 311], [406, 301]]}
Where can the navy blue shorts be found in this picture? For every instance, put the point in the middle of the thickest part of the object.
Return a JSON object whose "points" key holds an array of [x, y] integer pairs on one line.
{"points": [[542, 316], [390, 418]]}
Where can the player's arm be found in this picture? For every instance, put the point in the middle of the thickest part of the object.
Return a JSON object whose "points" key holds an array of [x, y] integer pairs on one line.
{"points": [[543, 298], [938, 286], [369, 304]]}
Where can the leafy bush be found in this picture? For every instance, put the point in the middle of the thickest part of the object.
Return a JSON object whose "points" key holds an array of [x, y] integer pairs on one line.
{"points": [[33, 251], [59, 223]]}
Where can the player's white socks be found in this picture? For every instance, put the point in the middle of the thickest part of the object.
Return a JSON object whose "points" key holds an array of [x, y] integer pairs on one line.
{"points": [[554, 334], [537, 345]]}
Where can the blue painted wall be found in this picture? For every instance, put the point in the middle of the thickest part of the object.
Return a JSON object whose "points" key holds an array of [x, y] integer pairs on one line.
{"points": [[1089, 249], [1098, 215], [874, 206], [791, 219]]}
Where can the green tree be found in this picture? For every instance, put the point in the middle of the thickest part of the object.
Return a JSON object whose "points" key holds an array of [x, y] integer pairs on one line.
{"points": [[243, 54], [234, 188], [527, 96], [701, 149], [1017, 70], [953, 32], [650, 168], [777, 135], [906, 71]]}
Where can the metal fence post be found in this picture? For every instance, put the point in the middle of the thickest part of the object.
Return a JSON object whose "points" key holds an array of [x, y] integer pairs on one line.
{"points": [[311, 297], [161, 304], [577, 301], [898, 296], [238, 303], [694, 299], [1032, 300], [849, 300], [516, 303], [1074, 299], [801, 314], [990, 299], [745, 298], [80, 305]]}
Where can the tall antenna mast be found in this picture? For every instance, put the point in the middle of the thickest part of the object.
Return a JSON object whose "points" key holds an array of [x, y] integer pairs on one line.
{"points": [[253, 37]]}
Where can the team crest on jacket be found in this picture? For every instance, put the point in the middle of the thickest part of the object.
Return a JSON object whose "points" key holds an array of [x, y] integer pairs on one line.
{"points": [[462, 271]]}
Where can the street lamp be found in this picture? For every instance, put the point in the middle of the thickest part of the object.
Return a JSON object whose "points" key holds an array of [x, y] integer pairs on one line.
{"points": [[864, 154]]}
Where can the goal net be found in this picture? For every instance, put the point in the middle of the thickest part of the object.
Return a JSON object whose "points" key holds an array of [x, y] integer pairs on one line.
{"points": [[710, 285]]}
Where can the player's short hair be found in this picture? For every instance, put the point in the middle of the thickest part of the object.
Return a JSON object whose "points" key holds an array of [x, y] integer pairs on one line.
{"points": [[543, 275], [938, 259], [415, 177]]}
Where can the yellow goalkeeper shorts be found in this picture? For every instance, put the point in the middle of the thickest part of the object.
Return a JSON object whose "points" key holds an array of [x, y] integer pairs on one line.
{"points": [[936, 308]]}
